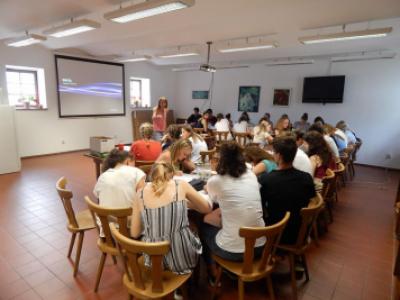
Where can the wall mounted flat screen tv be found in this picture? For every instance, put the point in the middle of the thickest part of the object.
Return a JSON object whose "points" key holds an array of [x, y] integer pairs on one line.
{"points": [[89, 88], [327, 89]]}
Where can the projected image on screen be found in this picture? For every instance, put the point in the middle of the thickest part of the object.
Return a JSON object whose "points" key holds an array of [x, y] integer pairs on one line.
{"points": [[89, 88]]}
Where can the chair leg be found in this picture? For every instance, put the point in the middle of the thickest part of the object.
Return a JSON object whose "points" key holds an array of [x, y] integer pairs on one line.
{"points": [[100, 271], [78, 253], [270, 288], [130, 297], [185, 293], [217, 280], [241, 289], [293, 276], [71, 244], [315, 233], [304, 261], [114, 258]]}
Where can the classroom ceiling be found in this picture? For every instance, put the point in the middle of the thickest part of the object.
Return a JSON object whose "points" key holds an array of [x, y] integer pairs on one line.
{"points": [[281, 21]]}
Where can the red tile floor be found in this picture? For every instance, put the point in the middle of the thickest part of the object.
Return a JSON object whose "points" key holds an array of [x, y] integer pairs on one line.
{"points": [[354, 260]]}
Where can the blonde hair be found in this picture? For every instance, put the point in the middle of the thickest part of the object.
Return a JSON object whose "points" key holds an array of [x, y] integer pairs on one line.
{"points": [[161, 174], [178, 146], [146, 130], [196, 137]]}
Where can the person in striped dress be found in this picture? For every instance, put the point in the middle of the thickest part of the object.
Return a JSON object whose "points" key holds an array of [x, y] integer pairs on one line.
{"points": [[160, 214]]}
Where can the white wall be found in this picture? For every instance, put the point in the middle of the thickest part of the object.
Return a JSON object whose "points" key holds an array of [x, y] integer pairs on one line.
{"points": [[371, 104], [42, 132]]}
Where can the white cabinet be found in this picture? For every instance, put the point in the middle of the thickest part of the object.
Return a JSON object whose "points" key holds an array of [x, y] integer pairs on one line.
{"points": [[9, 157]]}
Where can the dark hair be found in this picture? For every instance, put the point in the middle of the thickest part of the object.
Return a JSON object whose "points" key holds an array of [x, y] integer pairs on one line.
{"points": [[285, 146], [231, 160], [341, 125], [220, 116], [228, 116], [196, 109], [263, 119], [299, 134], [285, 116], [115, 157], [318, 146], [209, 111], [316, 127], [267, 115], [319, 119], [255, 154], [304, 117], [244, 117], [174, 132]]}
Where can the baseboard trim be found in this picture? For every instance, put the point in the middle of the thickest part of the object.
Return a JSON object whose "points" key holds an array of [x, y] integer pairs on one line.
{"points": [[54, 153], [377, 167]]}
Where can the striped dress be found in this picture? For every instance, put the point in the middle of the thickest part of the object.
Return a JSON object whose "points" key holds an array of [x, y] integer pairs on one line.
{"points": [[170, 223]]}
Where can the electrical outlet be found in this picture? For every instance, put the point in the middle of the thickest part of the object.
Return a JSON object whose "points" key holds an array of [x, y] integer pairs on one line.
{"points": [[388, 156]]}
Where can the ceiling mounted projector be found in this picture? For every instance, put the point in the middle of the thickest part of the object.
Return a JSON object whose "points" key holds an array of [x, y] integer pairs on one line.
{"points": [[207, 68]]}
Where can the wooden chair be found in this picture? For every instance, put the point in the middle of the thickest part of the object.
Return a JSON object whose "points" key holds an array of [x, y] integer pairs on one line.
{"points": [[308, 216], [199, 130], [207, 154], [139, 163], [344, 158], [353, 157], [329, 191], [222, 136], [241, 138], [251, 269], [339, 173], [77, 223], [106, 244], [143, 282], [349, 151]]}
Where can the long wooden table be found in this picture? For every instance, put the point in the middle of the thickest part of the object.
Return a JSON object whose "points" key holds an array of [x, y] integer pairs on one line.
{"points": [[98, 161]]}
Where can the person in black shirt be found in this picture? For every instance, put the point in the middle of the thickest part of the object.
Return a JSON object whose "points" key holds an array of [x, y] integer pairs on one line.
{"points": [[285, 189], [194, 118]]}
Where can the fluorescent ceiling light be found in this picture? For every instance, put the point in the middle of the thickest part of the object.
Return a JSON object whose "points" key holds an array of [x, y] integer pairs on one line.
{"points": [[363, 57], [247, 48], [27, 40], [346, 36], [290, 62], [146, 9], [178, 55], [134, 59], [72, 28]]}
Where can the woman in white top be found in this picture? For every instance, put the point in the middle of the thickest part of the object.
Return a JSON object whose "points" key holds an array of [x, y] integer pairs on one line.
{"points": [[261, 133], [117, 185], [223, 125], [198, 143], [241, 125], [239, 207]]}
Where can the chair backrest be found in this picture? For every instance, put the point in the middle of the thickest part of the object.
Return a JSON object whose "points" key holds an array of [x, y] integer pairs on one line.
{"points": [[66, 196], [131, 250], [251, 234], [139, 163], [209, 153], [308, 217], [222, 135], [199, 130], [107, 214], [328, 182], [340, 168], [241, 138]]}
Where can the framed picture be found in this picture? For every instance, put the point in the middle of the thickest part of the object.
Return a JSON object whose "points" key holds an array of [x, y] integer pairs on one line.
{"points": [[249, 98], [281, 97], [199, 94]]}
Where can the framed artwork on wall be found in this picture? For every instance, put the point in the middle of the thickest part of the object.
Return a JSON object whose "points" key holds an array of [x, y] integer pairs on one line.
{"points": [[200, 94], [281, 97], [249, 98]]}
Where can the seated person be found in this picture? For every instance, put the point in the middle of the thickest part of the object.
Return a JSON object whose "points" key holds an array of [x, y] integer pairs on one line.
{"points": [[211, 119], [320, 155], [223, 125], [161, 213], [351, 137], [228, 117], [238, 206], [285, 189], [282, 125], [146, 149], [329, 133], [173, 134], [194, 118], [241, 125], [261, 133], [302, 125], [261, 160], [178, 155], [301, 161], [198, 143]]}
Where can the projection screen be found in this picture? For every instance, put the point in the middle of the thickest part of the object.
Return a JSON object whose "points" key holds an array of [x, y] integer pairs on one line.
{"points": [[89, 88]]}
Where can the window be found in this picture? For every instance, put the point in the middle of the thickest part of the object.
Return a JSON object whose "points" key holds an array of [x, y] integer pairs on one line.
{"points": [[25, 87], [139, 92]]}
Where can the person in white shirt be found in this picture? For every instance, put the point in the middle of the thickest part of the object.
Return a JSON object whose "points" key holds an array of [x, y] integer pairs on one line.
{"points": [[241, 125], [119, 182], [261, 133], [198, 143], [238, 206], [301, 160], [223, 125]]}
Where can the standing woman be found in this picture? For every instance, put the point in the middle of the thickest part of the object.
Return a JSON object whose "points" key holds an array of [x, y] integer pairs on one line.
{"points": [[160, 118]]}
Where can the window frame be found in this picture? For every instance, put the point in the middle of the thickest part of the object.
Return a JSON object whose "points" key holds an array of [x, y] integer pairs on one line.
{"points": [[35, 73], [140, 90]]}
